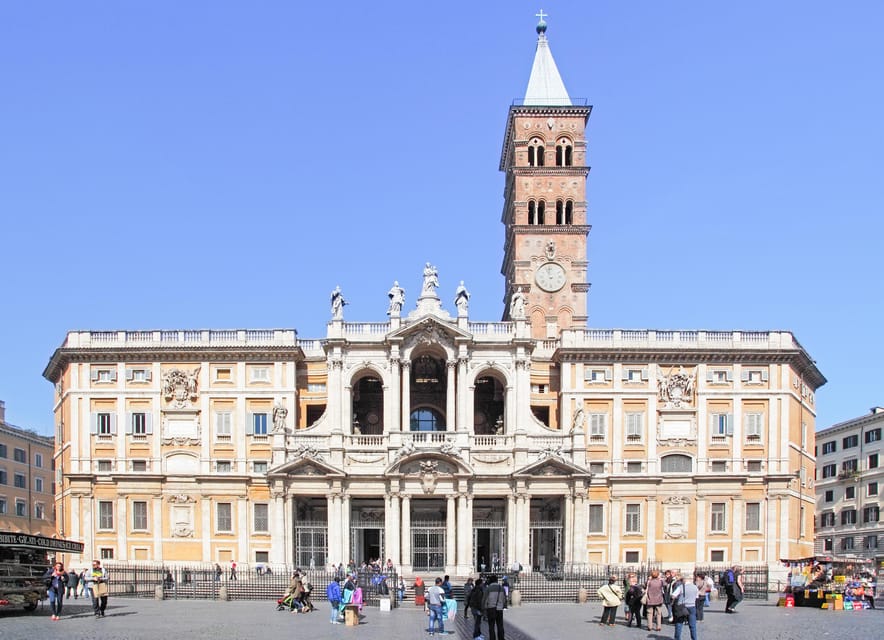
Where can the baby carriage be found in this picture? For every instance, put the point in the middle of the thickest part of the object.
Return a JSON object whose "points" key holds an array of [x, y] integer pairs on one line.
{"points": [[287, 602]]}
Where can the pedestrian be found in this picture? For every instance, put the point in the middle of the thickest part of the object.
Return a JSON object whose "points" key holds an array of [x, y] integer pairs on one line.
{"points": [[611, 595], [84, 589], [702, 593], [634, 601], [684, 604], [419, 599], [654, 591], [56, 579], [232, 570], [73, 583], [99, 588], [400, 589], [734, 588], [433, 607], [667, 594], [477, 596], [333, 594], [493, 603], [446, 587], [467, 589], [218, 572]]}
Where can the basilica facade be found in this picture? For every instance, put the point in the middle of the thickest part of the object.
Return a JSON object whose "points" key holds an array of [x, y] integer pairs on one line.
{"points": [[443, 442]]}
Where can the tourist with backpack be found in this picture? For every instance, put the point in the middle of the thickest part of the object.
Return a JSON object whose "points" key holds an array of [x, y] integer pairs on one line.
{"points": [[732, 581], [474, 604]]}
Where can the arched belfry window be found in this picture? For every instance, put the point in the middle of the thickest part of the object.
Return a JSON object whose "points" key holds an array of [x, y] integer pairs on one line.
{"points": [[564, 152], [532, 212], [541, 212], [569, 212], [676, 463], [560, 212], [535, 152]]}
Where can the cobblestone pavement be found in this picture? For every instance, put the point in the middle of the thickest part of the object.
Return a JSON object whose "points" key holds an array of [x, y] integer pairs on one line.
{"points": [[133, 619]]}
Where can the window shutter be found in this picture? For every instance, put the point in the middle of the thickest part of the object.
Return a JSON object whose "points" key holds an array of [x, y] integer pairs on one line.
{"points": [[113, 421], [93, 423], [765, 375], [250, 423], [729, 375], [709, 373], [645, 373], [730, 424], [744, 376], [130, 373], [148, 375], [624, 375], [94, 375], [113, 375], [129, 418], [148, 423]]}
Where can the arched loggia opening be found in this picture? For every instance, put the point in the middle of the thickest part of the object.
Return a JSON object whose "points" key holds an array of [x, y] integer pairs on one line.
{"points": [[488, 405], [368, 405]]}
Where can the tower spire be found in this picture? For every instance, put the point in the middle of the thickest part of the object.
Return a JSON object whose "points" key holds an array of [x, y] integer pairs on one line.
{"points": [[545, 86]]}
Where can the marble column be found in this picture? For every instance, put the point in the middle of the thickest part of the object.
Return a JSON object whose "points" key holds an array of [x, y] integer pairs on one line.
{"points": [[651, 534], [523, 506], [393, 420], [568, 533], [406, 397], [334, 529], [392, 522], [512, 527], [464, 534], [450, 535], [345, 529], [276, 517], [450, 395], [406, 534], [464, 398]]}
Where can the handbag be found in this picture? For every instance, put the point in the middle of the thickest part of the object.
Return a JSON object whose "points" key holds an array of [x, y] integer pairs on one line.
{"points": [[100, 589], [645, 597], [680, 611]]}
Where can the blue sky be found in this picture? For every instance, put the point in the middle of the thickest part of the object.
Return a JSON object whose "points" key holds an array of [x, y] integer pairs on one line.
{"points": [[226, 164]]}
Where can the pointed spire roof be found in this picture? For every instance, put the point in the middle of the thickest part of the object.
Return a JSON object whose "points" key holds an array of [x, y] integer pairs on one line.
{"points": [[545, 87]]}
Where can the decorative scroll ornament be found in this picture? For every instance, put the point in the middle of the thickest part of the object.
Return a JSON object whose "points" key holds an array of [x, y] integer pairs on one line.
{"points": [[180, 387], [304, 450], [675, 389], [181, 498], [677, 500], [406, 449], [551, 452], [450, 449], [182, 531]]}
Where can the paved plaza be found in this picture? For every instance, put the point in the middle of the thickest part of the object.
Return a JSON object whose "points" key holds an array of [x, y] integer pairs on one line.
{"points": [[132, 619]]}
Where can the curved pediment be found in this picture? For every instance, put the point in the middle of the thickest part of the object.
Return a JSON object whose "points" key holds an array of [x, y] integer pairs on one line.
{"points": [[423, 462], [429, 330]]}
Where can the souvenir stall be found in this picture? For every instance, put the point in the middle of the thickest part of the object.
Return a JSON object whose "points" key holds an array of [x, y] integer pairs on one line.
{"points": [[839, 584]]}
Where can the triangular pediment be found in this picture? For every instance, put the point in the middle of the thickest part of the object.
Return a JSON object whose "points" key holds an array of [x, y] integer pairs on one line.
{"points": [[552, 465], [430, 328], [306, 466]]}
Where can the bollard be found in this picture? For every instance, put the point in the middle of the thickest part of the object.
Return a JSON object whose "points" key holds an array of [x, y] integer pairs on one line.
{"points": [[581, 595], [515, 597], [158, 592], [222, 592]]}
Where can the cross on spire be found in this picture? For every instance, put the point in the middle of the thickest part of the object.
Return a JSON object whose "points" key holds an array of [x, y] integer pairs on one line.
{"points": [[542, 15]]}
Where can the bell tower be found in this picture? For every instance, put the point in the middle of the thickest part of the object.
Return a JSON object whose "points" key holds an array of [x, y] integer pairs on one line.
{"points": [[544, 211]]}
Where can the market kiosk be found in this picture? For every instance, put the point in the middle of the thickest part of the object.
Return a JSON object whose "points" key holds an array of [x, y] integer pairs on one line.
{"points": [[830, 582]]}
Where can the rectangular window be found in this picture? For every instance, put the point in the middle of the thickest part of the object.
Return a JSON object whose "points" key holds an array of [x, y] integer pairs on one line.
{"points": [[827, 544], [718, 466], [3, 507], [870, 514], [754, 376], [535, 388], [718, 517], [827, 519], [848, 516], [830, 470], [259, 466], [873, 435], [223, 466], [39, 511], [873, 461], [849, 493], [849, 465], [635, 426], [870, 542], [830, 495], [635, 376], [850, 441], [106, 554], [19, 455], [753, 516], [259, 422], [598, 426], [262, 519], [224, 513], [319, 387], [719, 376], [21, 509], [139, 515], [3, 453], [847, 544], [716, 555], [3, 478], [830, 447], [632, 557], [633, 466], [104, 375], [223, 422], [38, 485], [20, 481], [596, 376], [223, 374], [722, 425], [753, 426], [139, 466], [139, 424], [754, 466], [105, 466], [872, 489], [103, 424], [596, 467], [260, 374], [38, 460], [596, 518], [633, 518], [105, 514]]}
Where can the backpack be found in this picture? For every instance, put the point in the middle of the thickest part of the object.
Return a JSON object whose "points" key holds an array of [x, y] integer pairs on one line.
{"points": [[726, 579]]}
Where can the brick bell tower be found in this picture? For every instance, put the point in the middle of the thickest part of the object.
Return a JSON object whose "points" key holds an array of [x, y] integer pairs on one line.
{"points": [[544, 212]]}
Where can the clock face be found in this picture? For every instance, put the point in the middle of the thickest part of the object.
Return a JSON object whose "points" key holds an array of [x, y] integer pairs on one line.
{"points": [[550, 277]]}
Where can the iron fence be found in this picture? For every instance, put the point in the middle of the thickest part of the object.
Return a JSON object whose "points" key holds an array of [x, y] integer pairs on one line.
{"points": [[201, 582], [755, 578]]}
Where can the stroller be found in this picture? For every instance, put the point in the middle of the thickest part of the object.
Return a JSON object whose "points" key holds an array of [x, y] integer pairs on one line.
{"points": [[287, 602], [301, 603]]}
